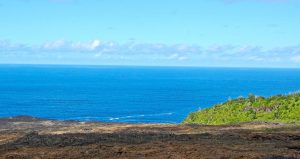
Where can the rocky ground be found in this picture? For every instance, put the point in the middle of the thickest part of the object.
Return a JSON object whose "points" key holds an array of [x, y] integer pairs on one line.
{"points": [[26, 137]]}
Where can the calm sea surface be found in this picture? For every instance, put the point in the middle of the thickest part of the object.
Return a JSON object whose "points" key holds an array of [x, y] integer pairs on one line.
{"points": [[131, 94]]}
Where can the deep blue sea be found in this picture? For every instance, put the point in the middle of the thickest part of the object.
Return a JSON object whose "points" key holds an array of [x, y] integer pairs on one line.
{"points": [[131, 94]]}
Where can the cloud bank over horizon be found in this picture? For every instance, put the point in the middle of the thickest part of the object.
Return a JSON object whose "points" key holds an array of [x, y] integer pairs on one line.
{"points": [[97, 52]]}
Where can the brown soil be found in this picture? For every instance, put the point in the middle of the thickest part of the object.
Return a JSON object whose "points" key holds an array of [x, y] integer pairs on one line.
{"points": [[26, 137]]}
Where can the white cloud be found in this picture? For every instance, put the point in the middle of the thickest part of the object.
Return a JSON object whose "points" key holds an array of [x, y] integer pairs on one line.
{"points": [[248, 49], [85, 46], [58, 44], [176, 56], [94, 44]]}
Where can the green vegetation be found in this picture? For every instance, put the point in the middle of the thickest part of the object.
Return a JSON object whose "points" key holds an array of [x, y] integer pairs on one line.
{"points": [[278, 108]]}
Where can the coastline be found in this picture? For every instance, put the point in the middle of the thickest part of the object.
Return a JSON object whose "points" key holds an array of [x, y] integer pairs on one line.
{"points": [[25, 136]]}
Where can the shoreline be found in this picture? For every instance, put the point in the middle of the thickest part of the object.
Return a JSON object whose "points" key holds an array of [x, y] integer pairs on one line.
{"points": [[28, 118]]}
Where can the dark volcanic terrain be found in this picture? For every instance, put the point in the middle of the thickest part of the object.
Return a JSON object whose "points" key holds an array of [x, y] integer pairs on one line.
{"points": [[26, 137]]}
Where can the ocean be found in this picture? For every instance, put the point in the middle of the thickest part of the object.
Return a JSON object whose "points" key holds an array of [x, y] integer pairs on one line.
{"points": [[130, 93]]}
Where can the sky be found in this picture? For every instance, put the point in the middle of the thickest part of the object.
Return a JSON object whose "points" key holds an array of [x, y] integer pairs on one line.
{"points": [[209, 33]]}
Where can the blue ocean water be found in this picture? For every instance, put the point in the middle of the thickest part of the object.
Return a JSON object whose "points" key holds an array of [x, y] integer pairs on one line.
{"points": [[131, 94]]}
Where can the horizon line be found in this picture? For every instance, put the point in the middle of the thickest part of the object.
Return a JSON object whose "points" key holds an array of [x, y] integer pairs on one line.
{"points": [[129, 65]]}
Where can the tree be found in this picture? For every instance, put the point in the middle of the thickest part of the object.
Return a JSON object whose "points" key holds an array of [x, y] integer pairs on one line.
{"points": [[251, 98]]}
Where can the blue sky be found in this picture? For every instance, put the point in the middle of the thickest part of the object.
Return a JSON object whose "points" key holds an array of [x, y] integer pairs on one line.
{"points": [[230, 33]]}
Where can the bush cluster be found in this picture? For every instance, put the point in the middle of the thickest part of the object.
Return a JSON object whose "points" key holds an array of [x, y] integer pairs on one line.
{"points": [[279, 108]]}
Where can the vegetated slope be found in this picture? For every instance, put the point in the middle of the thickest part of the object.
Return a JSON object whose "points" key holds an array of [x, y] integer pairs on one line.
{"points": [[279, 108]]}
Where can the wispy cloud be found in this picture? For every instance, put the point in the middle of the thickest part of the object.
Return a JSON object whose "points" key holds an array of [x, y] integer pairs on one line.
{"points": [[296, 58], [177, 56]]}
